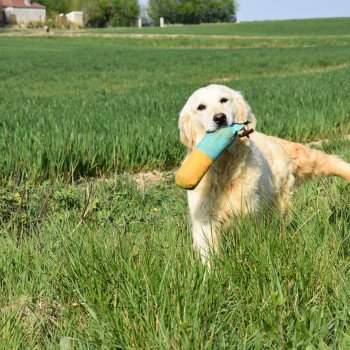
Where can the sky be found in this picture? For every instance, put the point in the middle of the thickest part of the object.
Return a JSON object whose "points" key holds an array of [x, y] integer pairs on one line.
{"points": [[256, 10]]}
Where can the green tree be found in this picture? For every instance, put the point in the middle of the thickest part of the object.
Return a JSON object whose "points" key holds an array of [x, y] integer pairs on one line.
{"points": [[2, 17], [57, 6], [101, 13], [124, 12], [96, 12], [219, 11], [192, 11], [163, 8]]}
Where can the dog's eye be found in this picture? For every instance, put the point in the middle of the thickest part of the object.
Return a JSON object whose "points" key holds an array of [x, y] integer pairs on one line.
{"points": [[224, 100], [201, 107]]}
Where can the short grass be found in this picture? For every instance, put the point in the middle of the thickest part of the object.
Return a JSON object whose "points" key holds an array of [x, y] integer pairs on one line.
{"points": [[89, 259], [311, 27]]}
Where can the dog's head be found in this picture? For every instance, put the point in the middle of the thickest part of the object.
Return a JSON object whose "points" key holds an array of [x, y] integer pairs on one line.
{"points": [[209, 109]]}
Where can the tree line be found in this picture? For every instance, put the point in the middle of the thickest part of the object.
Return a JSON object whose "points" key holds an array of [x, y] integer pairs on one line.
{"points": [[193, 11], [97, 13], [102, 13]]}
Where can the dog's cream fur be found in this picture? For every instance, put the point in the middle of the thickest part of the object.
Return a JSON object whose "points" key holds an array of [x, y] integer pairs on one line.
{"points": [[251, 172]]}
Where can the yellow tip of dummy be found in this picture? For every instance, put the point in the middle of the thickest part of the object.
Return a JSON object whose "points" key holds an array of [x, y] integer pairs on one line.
{"points": [[193, 169]]}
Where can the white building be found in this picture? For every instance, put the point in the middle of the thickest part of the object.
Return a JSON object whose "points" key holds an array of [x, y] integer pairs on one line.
{"points": [[76, 18], [24, 10]]}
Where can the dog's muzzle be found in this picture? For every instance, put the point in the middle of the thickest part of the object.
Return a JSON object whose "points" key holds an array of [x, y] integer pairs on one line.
{"points": [[220, 120]]}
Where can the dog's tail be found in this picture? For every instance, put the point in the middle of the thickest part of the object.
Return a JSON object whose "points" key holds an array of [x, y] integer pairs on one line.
{"points": [[309, 163]]}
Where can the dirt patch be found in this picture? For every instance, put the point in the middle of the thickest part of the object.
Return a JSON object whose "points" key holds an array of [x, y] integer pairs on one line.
{"points": [[32, 312], [146, 179], [306, 71], [78, 33]]}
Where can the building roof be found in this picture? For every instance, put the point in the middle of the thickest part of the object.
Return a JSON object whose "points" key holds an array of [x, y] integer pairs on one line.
{"points": [[20, 3]]}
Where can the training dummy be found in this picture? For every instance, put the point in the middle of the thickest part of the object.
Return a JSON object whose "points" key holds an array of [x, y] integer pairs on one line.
{"points": [[206, 152]]}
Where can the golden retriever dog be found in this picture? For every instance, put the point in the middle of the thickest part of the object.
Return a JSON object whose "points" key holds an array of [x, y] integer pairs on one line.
{"points": [[251, 172]]}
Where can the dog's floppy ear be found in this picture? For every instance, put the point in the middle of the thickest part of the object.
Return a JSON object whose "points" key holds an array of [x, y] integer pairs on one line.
{"points": [[187, 135], [243, 111]]}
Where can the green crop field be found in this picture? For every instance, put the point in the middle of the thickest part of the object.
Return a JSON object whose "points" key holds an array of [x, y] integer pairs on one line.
{"points": [[95, 252]]}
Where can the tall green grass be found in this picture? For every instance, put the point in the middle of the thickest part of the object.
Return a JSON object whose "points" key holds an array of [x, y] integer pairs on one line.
{"points": [[128, 278], [106, 262], [73, 107]]}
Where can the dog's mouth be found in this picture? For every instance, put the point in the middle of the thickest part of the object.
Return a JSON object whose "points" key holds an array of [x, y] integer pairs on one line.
{"points": [[216, 127]]}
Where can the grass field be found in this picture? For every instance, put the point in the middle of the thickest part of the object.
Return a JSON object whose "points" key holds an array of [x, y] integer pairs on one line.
{"points": [[92, 257]]}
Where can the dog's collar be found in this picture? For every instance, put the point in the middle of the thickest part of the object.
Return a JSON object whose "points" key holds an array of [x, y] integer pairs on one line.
{"points": [[246, 132], [247, 122]]}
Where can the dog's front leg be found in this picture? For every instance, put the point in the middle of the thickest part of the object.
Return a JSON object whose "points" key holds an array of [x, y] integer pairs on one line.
{"points": [[205, 239], [204, 230]]}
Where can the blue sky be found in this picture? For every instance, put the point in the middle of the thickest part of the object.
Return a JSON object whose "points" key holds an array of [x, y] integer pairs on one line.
{"points": [[254, 10]]}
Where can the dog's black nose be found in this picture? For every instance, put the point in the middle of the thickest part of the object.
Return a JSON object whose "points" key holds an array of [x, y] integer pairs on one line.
{"points": [[219, 118]]}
